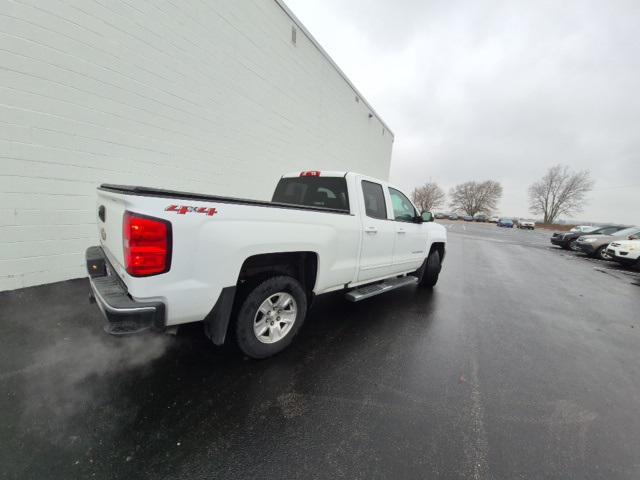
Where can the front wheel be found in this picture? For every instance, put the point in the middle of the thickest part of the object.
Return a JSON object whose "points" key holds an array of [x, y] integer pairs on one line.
{"points": [[601, 253], [270, 316], [430, 270]]}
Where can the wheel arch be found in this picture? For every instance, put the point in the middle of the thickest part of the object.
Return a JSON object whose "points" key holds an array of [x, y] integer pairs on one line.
{"points": [[301, 265], [440, 248]]}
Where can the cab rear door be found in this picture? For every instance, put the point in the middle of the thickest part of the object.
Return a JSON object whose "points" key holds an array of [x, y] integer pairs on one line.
{"points": [[378, 231]]}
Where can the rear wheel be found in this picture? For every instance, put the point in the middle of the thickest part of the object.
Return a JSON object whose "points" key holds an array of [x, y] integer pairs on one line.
{"points": [[270, 316], [430, 270]]}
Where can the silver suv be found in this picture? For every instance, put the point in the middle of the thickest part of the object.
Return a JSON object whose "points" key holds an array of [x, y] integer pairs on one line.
{"points": [[596, 245]]}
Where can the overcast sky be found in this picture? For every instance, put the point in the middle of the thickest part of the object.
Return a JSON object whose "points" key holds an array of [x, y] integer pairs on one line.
{"points": [[477, 90]]}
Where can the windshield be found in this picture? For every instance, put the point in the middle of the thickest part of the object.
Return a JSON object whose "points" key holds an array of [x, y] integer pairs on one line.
{"points": [[627, 231]]}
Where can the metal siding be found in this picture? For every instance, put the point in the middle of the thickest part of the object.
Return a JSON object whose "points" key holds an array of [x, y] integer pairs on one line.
{"points": [[209, 97]]}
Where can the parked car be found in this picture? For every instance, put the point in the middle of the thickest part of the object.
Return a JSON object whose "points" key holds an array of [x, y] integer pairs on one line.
{"points": [[249, 269], [584, 228], [480, 217], [440, 216], [526, 224], [494, 219], [596, 245], [568, 240], [467, 218], [453, 216], [505, 222], [626, 252]]}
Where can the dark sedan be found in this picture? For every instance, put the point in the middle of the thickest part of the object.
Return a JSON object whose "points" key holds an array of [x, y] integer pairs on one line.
{"points": [[505, 222], [567, 240]]}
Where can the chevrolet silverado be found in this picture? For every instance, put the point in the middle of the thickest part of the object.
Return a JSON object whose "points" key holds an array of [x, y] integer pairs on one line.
{"points": [[250, 269]]}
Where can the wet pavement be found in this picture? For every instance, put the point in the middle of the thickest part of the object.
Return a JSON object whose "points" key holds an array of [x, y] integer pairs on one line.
{"points": [[522, 363]]}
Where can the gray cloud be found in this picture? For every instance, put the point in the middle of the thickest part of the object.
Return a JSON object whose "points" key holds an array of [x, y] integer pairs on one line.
{"points": [[500, 90]]}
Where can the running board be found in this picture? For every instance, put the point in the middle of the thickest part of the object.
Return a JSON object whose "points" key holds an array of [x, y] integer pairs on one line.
{"points": [[374, 289]]}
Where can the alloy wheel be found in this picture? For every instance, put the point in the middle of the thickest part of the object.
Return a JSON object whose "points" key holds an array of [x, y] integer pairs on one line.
{"points": [[275, 317]]}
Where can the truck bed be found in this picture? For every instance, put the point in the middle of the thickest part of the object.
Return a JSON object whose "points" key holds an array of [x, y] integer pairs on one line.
{"points": [[159, 192]]}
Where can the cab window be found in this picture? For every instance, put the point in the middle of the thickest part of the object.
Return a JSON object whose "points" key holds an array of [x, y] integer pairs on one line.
{"points": [[374, 203], [403, 210]]}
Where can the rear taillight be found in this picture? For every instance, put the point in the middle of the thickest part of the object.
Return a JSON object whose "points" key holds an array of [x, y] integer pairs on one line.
{"points": [[147, 245]]}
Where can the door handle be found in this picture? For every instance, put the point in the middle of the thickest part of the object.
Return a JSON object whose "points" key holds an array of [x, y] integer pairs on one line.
{"points": [[371, 230], [402, 230]]}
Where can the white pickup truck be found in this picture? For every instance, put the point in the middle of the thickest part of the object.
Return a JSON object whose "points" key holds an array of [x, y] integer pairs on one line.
{"points": [[250, 269]]}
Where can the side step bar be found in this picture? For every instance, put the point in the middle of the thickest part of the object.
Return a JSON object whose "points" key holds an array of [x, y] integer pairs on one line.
{"points": [[373, 289]]}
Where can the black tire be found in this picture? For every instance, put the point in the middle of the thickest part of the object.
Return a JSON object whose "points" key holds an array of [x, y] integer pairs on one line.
{"points": [[572, 245], [601, 253], [566, 246], [246, 338], [430, 270]]}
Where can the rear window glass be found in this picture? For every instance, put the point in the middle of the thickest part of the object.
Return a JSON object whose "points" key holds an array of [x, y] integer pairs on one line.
{"points": [[320, 192]]}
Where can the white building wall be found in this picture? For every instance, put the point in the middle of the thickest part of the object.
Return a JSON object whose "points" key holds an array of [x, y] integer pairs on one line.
{"points": [[201, 96]]}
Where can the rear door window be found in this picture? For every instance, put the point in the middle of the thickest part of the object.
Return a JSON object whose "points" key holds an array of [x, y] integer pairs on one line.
{"points": [[374, 203], [319, 192]]}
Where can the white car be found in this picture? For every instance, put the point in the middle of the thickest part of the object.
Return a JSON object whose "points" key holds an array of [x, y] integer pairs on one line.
{"points": [[167, 258], [494, 219], [526, 224], [583, 228], [625, 252]]}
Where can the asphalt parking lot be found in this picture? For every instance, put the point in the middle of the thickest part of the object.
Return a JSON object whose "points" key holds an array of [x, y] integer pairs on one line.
{"points": [[522, 363]]}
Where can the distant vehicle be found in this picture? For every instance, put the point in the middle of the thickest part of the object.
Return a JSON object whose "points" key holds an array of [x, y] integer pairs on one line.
{"points": [[567, 240], [440, 216], [505, 222], [481, 217], [453, 216], [596, 245], [584, 228], [526, 224], [467, 218], [626, 252], [494, 219]]}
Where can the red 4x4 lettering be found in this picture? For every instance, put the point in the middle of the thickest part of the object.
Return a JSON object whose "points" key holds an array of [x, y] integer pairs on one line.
{"points": [[184, 209]]}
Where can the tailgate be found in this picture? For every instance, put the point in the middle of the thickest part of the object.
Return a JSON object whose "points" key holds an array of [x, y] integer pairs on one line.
{"points": [[110, 210]]}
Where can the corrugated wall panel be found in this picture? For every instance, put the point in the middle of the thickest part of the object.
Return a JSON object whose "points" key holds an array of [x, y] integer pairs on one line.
{"points": [[203, 96]]}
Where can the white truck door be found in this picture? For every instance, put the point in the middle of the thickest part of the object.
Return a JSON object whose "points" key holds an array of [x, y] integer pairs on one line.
{"points": [[378, 236], [411, 237]]}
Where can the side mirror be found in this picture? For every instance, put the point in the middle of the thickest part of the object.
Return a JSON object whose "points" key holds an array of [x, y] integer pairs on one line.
{"points": [[427, 216]]}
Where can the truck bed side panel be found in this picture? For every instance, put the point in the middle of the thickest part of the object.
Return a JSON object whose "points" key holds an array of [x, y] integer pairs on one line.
{"points": [[209, 249]]}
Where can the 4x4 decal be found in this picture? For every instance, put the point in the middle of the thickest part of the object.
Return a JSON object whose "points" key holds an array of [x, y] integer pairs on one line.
{"points": [[184, 209]]}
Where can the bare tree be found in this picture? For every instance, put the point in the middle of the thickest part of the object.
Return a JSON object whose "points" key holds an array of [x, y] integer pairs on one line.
{"points": [[475, 197], [560, 192], [428, 196]]}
